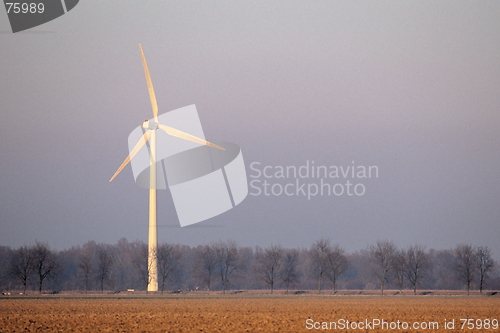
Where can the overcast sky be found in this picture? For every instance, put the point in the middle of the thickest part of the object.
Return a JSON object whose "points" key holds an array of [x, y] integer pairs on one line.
{"points": [[410, 87]]}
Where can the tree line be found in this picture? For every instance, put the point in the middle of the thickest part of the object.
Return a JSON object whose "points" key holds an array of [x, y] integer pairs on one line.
{"points": [[225, 265]]}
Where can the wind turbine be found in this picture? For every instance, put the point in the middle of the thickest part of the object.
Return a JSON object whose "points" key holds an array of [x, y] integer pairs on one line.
{"points": [[150, 135]]}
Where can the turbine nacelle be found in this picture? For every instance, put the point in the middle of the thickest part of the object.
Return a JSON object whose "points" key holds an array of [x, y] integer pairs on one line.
{"points": [[150, 124]]}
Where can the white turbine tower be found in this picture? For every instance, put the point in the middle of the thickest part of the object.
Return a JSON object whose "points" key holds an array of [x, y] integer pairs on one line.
{"points": [[150, 135]]}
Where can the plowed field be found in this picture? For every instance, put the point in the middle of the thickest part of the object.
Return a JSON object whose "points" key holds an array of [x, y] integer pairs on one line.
{"points": [[249, 314]]}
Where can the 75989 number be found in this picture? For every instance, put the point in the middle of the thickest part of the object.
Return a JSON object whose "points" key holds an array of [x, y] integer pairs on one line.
{"points": [[24, 7], [477, 324]]}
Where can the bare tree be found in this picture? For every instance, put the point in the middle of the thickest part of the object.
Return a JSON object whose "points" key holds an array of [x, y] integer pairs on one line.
{"points": [[484, 263], [336, 264], [205, 265], [382, 255], [399, 268], [141, 265], [45, 263], [443, 267], [269, 263], [85, 263], [319, 257], [226, 254], [5, 260], [169, 257], [22, 264], [466, 263], [104, 264], [289, 272], [417, 263], [130, 265]]}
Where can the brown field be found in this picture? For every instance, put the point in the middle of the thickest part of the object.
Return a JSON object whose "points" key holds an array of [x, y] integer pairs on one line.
{"points": [[235, 313]]}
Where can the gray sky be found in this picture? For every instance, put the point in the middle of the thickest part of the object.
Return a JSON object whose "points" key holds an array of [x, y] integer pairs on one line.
{"points": [[410, 87]]}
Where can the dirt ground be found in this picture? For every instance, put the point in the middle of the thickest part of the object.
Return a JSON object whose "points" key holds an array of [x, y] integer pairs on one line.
{"points": [[235, 313]]}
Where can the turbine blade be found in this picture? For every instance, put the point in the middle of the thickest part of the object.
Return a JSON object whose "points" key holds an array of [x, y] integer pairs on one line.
{"points": [[183, 135], [142, 141], [152, 95]]}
